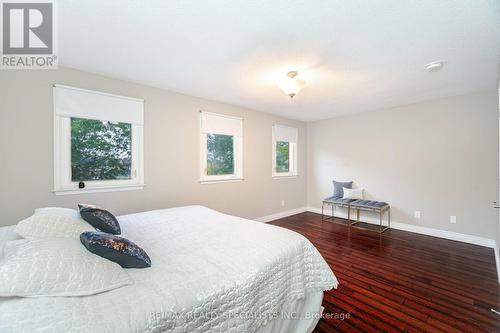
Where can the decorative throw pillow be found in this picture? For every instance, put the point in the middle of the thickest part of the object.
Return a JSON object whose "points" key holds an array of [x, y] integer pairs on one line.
{"points": [[56, 267], [338, 188], [353, 193], [115, 248], [52, 222], [100, 219]]}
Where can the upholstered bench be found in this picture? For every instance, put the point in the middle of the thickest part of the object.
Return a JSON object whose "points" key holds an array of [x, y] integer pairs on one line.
{"points": [[335, 202], [359, 205]]}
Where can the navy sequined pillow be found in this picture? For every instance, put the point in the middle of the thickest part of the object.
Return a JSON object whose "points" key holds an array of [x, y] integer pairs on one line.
{"points": [[115, 248], [100, 219]]}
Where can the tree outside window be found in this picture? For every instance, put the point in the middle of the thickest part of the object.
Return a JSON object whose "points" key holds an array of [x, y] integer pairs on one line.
{"points": [[282, 156], [100, 150], [220, 154]]}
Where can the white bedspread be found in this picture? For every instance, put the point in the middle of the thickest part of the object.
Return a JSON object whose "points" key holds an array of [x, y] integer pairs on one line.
{"points": [[208, 269]]}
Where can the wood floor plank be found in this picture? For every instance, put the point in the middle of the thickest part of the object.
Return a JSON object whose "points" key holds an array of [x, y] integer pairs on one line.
{"points": [[401, 281]]}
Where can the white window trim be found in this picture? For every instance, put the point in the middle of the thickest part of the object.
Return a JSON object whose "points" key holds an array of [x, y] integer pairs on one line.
{"points": [[237, 176], [62, 157], [292, 156]]}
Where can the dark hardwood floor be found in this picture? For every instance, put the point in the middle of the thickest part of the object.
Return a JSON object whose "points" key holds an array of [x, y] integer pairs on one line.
{"points": [[402, 281]]}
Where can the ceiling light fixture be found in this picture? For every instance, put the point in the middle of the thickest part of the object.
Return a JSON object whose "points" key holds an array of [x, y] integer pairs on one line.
{"points": [[434, 66], [291, 85]]}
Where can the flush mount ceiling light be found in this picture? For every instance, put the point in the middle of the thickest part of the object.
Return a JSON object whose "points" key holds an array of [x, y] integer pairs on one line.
{"points": [[291, 85], [434, 66]]}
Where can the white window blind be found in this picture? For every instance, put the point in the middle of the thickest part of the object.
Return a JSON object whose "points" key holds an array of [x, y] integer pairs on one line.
{"points": [[212, 123], [91, 106], [285, 133], [81, 103]]}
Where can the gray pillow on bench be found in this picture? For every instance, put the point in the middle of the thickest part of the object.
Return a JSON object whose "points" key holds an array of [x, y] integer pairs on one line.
{"points": [[338, 188]]}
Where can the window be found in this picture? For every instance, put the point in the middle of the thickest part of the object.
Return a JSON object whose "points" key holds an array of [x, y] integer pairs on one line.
{"points": [[284, 151], [220, 154], [221, 147], [97, 141], [100, 150], [282, 156]]}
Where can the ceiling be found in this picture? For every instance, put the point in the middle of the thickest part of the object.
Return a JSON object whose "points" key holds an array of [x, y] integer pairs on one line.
{"points": [[356, 55]]}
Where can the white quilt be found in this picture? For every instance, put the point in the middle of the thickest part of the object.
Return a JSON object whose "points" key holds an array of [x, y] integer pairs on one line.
{"points": [[210, 272]]}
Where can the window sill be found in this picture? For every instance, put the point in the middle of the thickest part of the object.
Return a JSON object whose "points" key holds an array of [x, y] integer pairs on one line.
{"points": [[101, 189], [284, 176], [219, 181]]}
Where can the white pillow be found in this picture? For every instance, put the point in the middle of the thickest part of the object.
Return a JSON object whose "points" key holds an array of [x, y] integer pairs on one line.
{"points": [[353, 193], [53, 222], [56, 267], [7, 234]]}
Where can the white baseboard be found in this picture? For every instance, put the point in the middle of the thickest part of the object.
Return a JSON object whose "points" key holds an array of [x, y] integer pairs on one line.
{"points": [[272, 217], [497, 259], [423, 230]]}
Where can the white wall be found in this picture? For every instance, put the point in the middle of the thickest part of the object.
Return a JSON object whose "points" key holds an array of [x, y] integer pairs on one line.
{"points": [[439, 157], [171, 152]]}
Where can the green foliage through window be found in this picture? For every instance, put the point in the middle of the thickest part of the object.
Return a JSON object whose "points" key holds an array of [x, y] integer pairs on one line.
{"points": [[282, 156], [220, 154], [100, 150]]}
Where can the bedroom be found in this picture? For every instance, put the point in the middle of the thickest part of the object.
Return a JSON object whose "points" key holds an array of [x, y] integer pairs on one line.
{"points": [[220, 176]]}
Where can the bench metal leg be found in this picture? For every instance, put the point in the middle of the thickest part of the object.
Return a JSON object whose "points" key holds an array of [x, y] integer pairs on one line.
{"points": [[326, 216], [389, 217], [382, 227], [357, 217]]}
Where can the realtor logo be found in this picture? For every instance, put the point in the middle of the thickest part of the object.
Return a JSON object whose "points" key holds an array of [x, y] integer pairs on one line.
{"points": [[28, 35]]}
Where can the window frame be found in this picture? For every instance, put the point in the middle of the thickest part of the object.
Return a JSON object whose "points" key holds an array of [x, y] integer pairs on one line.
{"points": [[63, 184], [292, 156], [237, 154]]}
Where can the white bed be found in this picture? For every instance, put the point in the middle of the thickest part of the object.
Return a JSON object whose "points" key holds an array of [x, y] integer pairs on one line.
{"points": [[210, 272]]}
